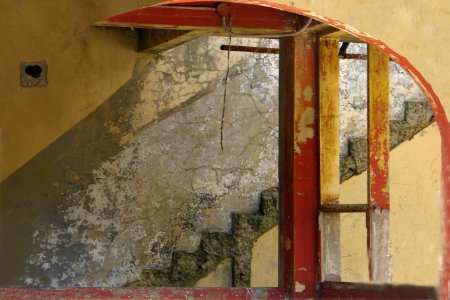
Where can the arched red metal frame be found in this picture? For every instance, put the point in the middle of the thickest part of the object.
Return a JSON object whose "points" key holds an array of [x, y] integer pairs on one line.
{"points": [[277, 293]]}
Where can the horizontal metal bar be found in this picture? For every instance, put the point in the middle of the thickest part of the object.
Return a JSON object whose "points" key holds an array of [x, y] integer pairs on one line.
{"points": [[250, 49], [343, 208], [355, 56], [352, 56], [276, 51], [350, 290]]}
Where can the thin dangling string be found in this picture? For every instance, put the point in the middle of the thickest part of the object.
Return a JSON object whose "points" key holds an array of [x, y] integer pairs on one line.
{"points": [[225, 87]]}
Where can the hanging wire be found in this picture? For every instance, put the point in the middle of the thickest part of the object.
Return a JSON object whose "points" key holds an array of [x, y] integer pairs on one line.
{"points": [[230, 34], [225, 87]]}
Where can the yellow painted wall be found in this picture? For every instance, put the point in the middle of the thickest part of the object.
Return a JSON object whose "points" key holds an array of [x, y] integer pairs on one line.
{"points": [[85, 66], [264, 265], [415, 220], [219, 277]]}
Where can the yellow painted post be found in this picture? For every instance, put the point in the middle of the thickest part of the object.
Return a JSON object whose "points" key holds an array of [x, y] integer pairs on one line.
{"points": [[329, 155], [378, 169]]}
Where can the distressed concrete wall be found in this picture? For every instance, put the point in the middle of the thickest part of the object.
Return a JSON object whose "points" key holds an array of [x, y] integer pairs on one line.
{"points": [[415, 220], [78, 218], [144, 174]]}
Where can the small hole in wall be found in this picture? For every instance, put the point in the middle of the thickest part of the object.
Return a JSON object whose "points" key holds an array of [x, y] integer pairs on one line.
{"points": [[33, 74], [34, 71]]}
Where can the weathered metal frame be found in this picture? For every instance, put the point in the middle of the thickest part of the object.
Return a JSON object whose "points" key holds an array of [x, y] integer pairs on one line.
{"points": [[292, 255], [328, 65], [299, 166], [378, 225]]}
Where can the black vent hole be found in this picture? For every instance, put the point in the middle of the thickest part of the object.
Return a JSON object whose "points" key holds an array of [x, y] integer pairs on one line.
{"points": [[34, 71]]}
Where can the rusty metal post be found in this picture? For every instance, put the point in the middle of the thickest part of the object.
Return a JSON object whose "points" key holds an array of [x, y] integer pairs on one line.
{"points": [[329, 156], [299, 166], [378, 169]]}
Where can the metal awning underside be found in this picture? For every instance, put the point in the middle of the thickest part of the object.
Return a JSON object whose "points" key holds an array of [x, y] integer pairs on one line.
{"points": [[208, 18], [166, 26]]}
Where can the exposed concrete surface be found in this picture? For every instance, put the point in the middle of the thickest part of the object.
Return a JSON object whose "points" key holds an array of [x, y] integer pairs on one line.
{"points": [[415, 214], [246, 229], [168, 182], [67, 164], [216, 248], [418, 35], [151, 179]]}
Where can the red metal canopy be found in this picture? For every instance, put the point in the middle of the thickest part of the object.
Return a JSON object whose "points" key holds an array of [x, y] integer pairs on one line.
{"points": [[210, 17]]}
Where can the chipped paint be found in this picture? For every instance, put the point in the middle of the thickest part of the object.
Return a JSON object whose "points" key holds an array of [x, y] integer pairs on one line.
{"points": [[432, 97], [299, 288], [308, 93], [299, 172], [304, 131]]}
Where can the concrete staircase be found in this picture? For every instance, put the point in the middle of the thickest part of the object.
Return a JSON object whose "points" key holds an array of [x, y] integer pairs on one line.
{"points": [[141, 183], [417, 116], [187, 268]]}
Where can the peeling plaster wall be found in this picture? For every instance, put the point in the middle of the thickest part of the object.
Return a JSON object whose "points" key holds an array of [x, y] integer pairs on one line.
{"points": [[168, 180], [32, 200]]}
